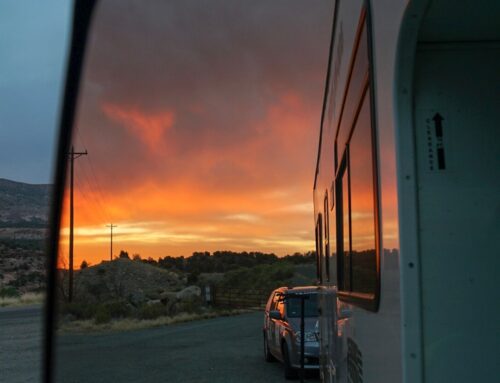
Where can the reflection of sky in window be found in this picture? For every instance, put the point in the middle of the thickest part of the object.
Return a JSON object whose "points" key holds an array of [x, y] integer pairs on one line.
{"points": [[361, 178], [33, 37]]}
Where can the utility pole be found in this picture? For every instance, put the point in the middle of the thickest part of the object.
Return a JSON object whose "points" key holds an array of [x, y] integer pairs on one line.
{"points": [[111, 226], [73, 156]]}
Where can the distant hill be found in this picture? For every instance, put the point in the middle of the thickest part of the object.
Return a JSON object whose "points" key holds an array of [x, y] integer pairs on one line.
{"points": [[124, 279], [23, 205], [24, 212]]}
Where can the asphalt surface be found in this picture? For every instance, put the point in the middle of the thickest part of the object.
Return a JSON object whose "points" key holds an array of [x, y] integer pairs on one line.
{"points": [[20, 344], [227, 349]]}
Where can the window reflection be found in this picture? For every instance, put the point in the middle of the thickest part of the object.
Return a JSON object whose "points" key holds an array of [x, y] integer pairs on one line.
{"points": [[362, 203], [327, 239]]}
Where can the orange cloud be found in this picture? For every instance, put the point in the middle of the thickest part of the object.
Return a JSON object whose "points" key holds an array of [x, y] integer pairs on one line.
{"points": [[149, 128], [254, 194]]}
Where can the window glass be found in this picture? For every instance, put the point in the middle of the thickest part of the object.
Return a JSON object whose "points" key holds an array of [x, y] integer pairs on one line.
{"points": [[346, 245], [327, 240], [355, 183], [281, 307], [363, 255], [356, 85], [319, 227], [34, 39], [318, 258], [274, 302], [310, 307]]}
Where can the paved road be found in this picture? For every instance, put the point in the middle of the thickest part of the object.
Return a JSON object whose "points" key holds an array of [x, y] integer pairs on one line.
{"points": [[20, 344], [216, 350]]}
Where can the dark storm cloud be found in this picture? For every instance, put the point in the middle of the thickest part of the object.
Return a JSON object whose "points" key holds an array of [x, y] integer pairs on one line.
{"points": [[218, 67]]}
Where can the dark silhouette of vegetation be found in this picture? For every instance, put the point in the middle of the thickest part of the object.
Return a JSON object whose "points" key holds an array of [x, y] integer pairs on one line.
{"points": [[220, 261], [300, 258], [100, 312], [9, 292], [224, 261], [123, 254], [263, 277], [84, 264]]}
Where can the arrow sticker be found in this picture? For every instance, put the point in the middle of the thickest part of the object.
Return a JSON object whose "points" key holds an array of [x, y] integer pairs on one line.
{"points": [[438, 127]]}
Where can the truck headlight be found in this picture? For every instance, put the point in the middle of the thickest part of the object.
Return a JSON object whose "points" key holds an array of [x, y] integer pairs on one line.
{"points": [[310, 336]]}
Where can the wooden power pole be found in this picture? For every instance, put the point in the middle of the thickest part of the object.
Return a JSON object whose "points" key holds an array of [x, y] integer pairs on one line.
{"points": [[73, 156], [111, 226]]}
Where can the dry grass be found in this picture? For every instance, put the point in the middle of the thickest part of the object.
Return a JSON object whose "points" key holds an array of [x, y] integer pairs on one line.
{"points": [[23, 300], [128, 324]]}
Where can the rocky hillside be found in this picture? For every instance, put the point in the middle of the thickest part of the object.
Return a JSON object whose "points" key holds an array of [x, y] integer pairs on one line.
{"points": [[23, 229], [124, 288], [134, 281], [23, 205]]}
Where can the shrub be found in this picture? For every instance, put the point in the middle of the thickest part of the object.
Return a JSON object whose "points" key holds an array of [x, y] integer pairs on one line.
{"points": [[192, 306], [193, 277], [99, 311], [102, 315], [79, 310], [152, 311], [118, 309], [9, 292]]}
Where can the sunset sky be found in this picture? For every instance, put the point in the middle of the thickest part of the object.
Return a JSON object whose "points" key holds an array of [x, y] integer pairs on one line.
{"points": [[201, 119]]}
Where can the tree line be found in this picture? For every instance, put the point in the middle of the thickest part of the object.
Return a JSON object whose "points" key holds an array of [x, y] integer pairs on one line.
{"points": [[221, 261]]}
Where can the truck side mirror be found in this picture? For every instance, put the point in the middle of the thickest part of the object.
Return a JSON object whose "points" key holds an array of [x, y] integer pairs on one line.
{"points": [[275, 314]]}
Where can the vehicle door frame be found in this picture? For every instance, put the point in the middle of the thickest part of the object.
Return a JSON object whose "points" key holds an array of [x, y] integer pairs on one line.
{"points": [[80, 25]]}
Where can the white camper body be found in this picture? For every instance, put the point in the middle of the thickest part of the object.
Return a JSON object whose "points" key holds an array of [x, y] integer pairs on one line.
{"points": [[407, 193]]}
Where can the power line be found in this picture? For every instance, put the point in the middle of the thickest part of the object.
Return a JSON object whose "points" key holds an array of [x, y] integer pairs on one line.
{"points": [[99, 197], [91, 198]]}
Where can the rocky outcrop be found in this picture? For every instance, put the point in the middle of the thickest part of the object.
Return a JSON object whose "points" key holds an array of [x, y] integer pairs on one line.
{"points": [[186, 298]]}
